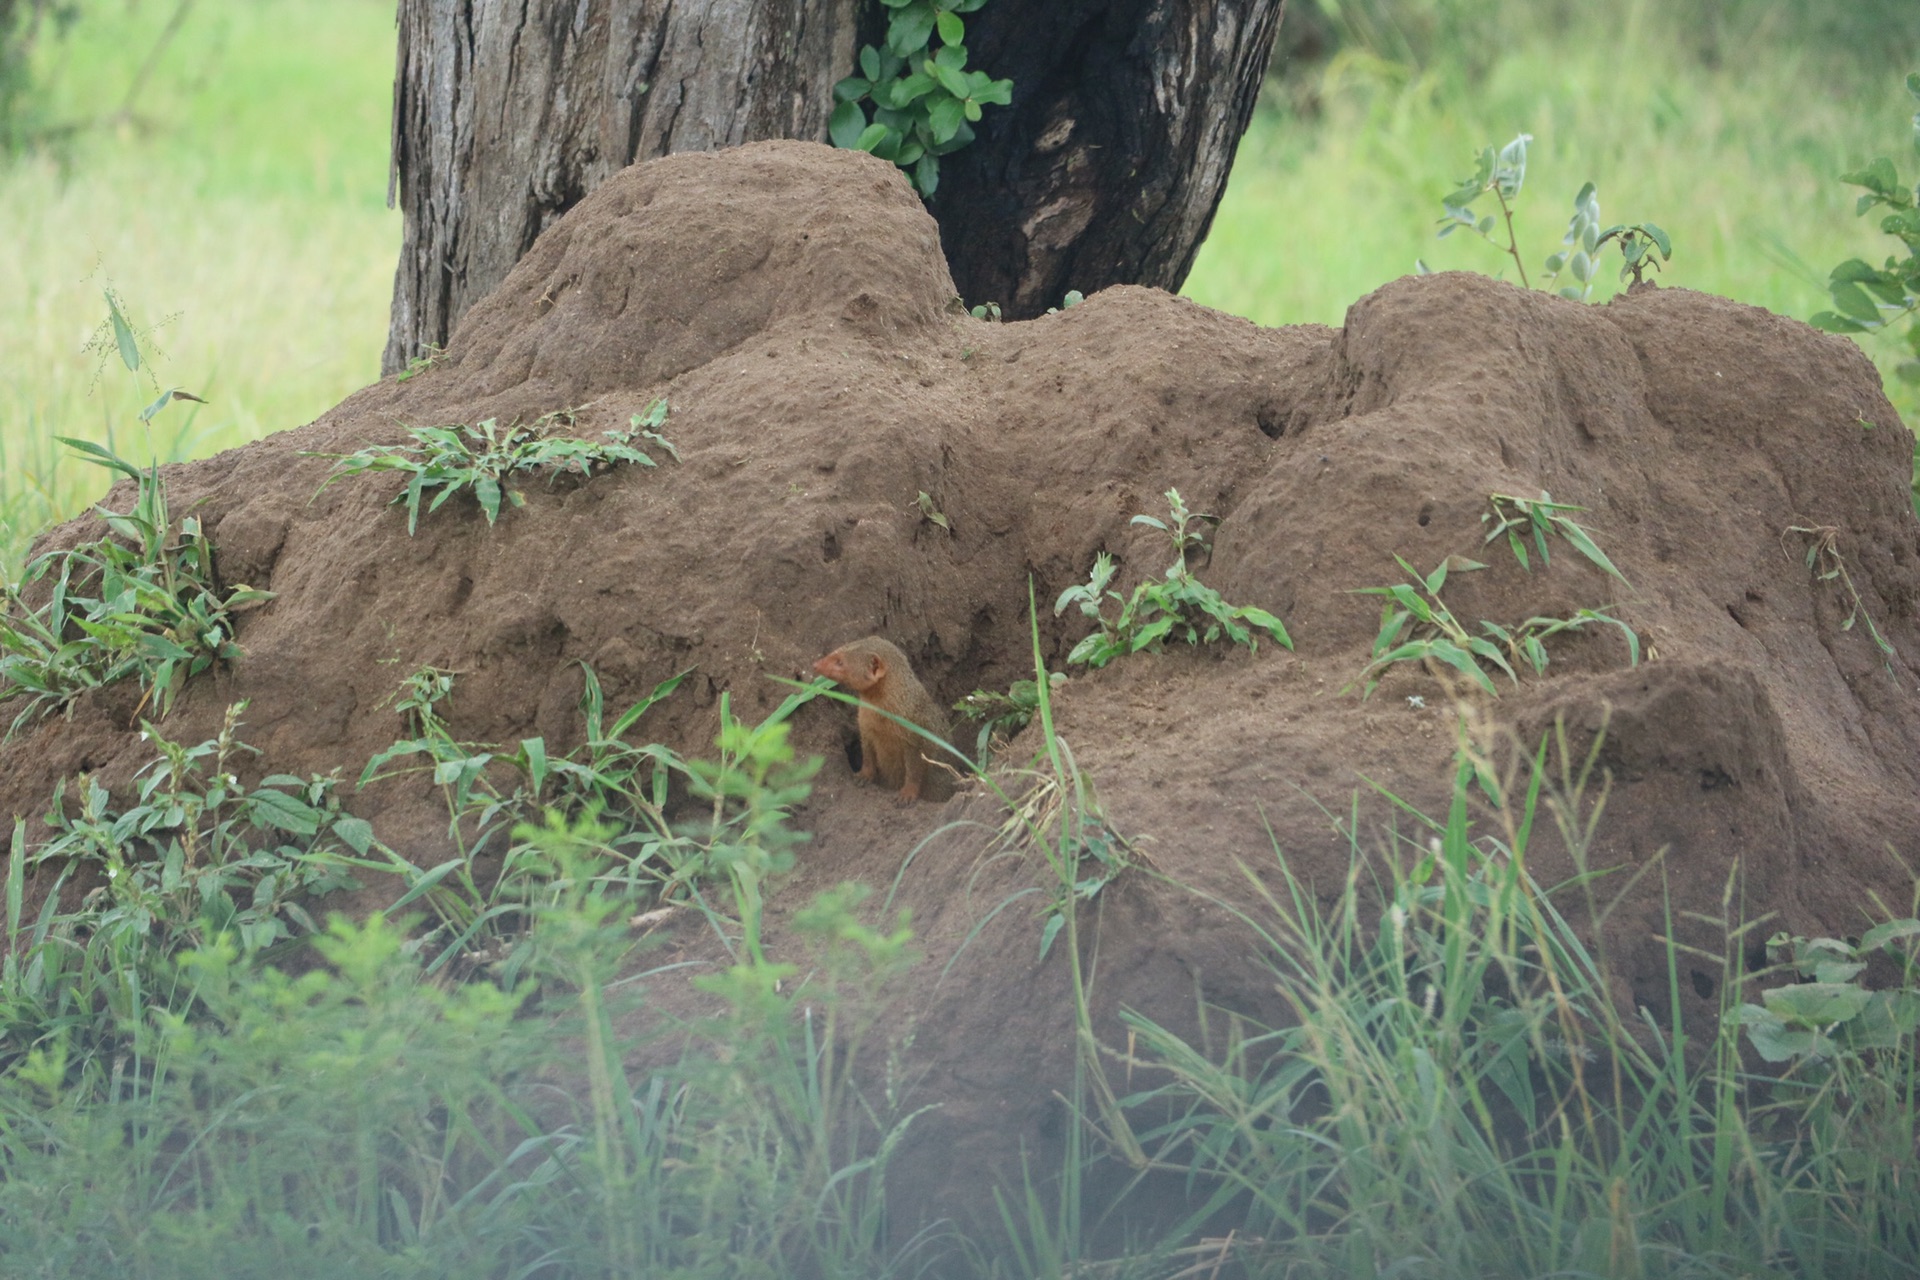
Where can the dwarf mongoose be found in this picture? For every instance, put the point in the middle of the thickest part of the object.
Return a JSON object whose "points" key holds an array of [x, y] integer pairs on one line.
{"points": [[889, 753]]}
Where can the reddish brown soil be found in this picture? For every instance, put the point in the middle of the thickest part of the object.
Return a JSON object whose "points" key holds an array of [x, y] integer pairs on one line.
{"points": [[792, 304]]}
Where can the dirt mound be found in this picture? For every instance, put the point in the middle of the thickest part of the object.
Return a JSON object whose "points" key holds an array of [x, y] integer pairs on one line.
{"points": [[792, 304]]}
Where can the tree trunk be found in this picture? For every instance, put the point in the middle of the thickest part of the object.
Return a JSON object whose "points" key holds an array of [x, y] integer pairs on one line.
{"points": [[1109, 164], [1105, 169]]}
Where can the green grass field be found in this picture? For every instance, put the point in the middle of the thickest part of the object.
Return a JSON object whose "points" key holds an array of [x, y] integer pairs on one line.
{"points": [[241, 214], [240, 211]]}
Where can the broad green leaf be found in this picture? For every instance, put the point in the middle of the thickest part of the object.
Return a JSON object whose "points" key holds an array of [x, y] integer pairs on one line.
{"points": [[1892, 931], [952, 30], [871, 137], [1833, 323], [908, 32], [277, 809], [1815, 1004], [355, 833], [846, 125], [950, 79], [926, 174], [944, 116], [870, 62], [1853, 301]]}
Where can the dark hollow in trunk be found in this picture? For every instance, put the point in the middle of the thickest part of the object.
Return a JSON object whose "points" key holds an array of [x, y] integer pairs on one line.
{"points": [[1106, 168]]}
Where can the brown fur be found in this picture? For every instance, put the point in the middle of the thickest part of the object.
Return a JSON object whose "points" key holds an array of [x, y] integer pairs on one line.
{"points": [[890, 753]]}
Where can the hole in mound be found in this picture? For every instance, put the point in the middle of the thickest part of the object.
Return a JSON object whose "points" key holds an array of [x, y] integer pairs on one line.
{"points": [[1703, 986], [1271, 424], [830, 547], [1734, 613], [1715, 778], [850, 746], [1426, 514], [1755, 958]]}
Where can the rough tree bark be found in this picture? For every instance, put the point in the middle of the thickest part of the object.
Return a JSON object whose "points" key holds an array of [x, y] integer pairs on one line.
{"points": [[1105, 169]]}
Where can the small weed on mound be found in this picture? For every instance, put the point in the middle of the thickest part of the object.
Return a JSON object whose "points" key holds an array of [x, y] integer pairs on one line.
{"points": [[1417, 626], [485, 458], [1826, 564], [1502, 174], [1516, 517], [1179, 605], [1001, 715], [141, 603]]}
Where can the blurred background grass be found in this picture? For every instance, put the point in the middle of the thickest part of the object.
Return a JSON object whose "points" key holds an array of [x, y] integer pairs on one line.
{"points": [[236, 201]]}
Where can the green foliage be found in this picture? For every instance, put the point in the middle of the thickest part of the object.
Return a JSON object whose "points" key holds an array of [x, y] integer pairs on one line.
{"points": [[139, 603], [615, 795], [1516, 517], [1875, 299], [363, 1118], [485, 458], [417, 365], [1417, 626], [1455, 1087], [1001, 715], [1834, 1015], [924, 100], [1178, 606], [193, 856], [1826, 564], [1502, 174]]}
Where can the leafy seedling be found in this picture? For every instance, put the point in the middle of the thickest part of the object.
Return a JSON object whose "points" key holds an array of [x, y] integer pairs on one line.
{"points": [[1833, 1014], [1417, 626], [1825, 562], [417, 365], [986, 311], [1502, 174], [1179, 605], [931, 513], [1001, 715], [447, 460], [1516, 517], [913, 98], [140, 603]]}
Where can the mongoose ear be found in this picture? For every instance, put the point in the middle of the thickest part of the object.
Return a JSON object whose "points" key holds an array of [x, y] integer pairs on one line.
{"points": [[878, 666]]}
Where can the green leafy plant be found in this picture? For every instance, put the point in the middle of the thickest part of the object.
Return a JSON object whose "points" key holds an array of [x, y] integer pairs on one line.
{"points": [[986, 311], [1825, 562], [1832, 1014], [1178, 605], [1516, 517], [192, 855], [1417, 626], [1875, 299], [1502, 173], [924, 100], [140, 603], [417, 365], [486, 457], [618, 791], [1001, 715]]}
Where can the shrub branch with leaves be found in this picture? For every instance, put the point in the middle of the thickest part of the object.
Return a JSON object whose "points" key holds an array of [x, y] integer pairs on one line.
{"points": [[924, 101], [1501, 174]]}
